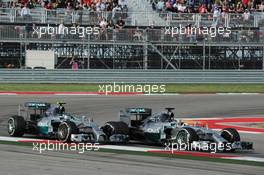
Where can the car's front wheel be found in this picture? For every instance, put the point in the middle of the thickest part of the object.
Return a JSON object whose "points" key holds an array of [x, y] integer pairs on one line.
{"points": [[115, 128], [231, 135], [16, 126], [185, 137], [65, 130]]}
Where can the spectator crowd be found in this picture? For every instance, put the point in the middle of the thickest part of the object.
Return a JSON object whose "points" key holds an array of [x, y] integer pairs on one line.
{"points": [[111, 12], [91, 5], [208, 6]]}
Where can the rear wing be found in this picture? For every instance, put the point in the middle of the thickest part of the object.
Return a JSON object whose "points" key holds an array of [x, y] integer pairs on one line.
{"points": [[141, 111], [37, 105], [134, 116], [31, 108]]}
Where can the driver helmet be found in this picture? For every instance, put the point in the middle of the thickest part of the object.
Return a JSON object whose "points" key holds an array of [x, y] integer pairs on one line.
{"points": [[60, 107]]}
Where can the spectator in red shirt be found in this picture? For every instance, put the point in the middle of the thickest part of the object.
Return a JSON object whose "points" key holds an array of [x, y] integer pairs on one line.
{"points": [[245, 2], [48, 6], [23, 2], [87, 2], [74, 64], [203, 9]]}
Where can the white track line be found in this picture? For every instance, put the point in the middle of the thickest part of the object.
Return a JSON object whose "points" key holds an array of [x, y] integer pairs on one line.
{"points": [[126, 148], [255, 159], [8, 93], [15, 139], [238, 93]]}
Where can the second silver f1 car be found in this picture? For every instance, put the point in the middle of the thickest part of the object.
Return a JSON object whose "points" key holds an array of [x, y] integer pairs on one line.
{"points": [[163, 128]]}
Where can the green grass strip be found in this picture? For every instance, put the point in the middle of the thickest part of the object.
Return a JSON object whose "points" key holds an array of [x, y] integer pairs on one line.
{"points": [[170, 88]]}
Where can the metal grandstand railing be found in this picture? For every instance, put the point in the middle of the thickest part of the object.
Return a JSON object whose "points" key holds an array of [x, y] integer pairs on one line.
{"points": [[85, 17], [165, 35]]}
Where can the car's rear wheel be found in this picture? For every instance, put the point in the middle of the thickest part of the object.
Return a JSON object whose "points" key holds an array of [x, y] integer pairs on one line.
{"points": [[65, 130], [16, 126]]}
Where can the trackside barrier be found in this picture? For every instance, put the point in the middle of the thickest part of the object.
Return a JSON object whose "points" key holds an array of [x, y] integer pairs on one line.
{"points": [[129, 76]]}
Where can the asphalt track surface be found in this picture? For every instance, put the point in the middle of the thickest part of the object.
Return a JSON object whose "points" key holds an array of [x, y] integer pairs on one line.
{"points": [[22, 160]]}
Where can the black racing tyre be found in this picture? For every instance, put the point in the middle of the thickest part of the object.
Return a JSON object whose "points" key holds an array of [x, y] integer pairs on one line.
{"points": [[111, 128], [186, 136], [65, 130], [231, 135], [16, 126]]}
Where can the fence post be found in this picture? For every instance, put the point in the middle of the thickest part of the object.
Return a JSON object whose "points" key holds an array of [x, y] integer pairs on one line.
{"points": [[204, 54], [89, 53], [263, 58], [209, 55], [145, 55]]}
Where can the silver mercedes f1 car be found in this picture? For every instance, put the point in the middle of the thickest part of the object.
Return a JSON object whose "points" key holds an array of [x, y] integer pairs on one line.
{"points": [[51, 121], [162, 128]]}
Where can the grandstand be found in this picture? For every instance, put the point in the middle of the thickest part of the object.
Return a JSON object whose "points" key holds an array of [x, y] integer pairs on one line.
{"points": [[135, 34]]}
